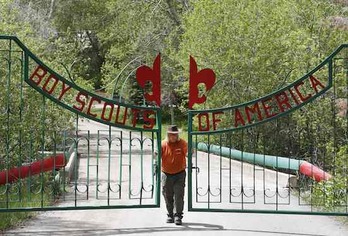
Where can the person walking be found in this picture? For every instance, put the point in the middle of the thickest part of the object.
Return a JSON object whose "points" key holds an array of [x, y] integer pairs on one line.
{"points": [[174, 151]]}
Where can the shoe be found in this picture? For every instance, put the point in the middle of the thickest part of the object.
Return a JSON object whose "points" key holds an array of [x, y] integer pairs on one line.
{"points": [[177, 220], [170, 219]]}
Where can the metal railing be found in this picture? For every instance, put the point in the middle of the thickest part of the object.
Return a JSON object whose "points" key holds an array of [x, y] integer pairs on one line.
{"points": [[286, 152], [110, 163]]}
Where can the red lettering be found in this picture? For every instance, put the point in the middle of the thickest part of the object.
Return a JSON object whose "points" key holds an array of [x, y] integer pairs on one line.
{"points": [[267, 108], [294, 97], [296, 87], [118, 115], [200, 127], [110, 111], [50, 91], [238, 118], [90, 106], [282, 99], [215, 119], [315, 83], [149, 119], [81, 101], [64, 90], [255, 108], [38, 74], [135, 113]]}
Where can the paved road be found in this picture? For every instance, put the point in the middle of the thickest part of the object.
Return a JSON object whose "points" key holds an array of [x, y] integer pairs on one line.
{"points": [[152, 221]]}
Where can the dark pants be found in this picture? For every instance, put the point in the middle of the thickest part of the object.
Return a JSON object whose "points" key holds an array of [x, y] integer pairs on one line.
{"points": [[173, 190]]}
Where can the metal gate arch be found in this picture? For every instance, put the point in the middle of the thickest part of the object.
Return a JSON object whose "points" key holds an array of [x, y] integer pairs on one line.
{"points": [[108, 162], [262, 156], [247, 157]]}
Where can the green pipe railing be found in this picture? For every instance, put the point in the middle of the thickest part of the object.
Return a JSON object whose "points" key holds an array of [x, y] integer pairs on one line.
{"points": [[276, 162]]}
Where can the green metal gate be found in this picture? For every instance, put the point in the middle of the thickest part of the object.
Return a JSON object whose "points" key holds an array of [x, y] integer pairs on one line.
{"points": [[286, 152], [51, 158]]}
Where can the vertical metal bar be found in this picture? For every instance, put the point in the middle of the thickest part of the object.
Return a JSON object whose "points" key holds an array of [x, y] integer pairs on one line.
{"points": [[189, 132], [230, 166], [299, 148], [332, 77], [75, 172], [77, 124], [121, 162], [346, 164], [88, 161], [97, 167], [263, 169], [31, 155], [220, 169], [152, 158], [75, 159], [109, 164], [290, 155], [208, 171], [242, 169], [43, 123], [8, 102], [130, 166], [141, 167], [77, 141], [277, 170], [53, 174], [254, 166], [26, 75], [65, 156], [335, 142], [330, 73], [159, 159], [196, 165], [21, 125], [310, 131], [333, 107]]}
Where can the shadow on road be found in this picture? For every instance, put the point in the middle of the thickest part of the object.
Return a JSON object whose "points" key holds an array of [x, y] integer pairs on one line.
{"points": [[185, 227]]}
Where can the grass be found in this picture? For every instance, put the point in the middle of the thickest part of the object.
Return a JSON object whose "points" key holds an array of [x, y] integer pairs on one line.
{"points": [[12, 219], [343, 220], [28, 199]]}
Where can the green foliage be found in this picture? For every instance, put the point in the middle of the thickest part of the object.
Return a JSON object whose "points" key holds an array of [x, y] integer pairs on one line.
{"points": [[29, 124], [333, 194], [252, 47]]}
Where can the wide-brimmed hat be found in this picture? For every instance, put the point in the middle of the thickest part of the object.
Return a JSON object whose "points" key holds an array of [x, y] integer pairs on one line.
{"points": [[173, 129]]}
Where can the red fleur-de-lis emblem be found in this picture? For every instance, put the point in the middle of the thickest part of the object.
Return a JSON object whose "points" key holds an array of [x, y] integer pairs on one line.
{"points": [[205, 76], [146, 74]]}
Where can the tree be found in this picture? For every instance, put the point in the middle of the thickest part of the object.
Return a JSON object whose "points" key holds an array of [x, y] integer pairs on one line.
{"points": [[255, 49]]}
